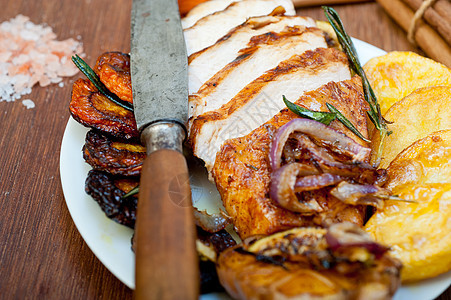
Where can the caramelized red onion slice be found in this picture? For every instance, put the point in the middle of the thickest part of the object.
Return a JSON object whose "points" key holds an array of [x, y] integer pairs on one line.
{"points": [[210, 222], [319, 131], [327, 163], [315, 182], [360, 194], [348, 235], [281, 188]]}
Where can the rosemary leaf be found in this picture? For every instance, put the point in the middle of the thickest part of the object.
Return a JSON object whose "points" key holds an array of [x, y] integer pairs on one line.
{"points": [[92, 76], [131, 193], [340, 117], [320, 116]]}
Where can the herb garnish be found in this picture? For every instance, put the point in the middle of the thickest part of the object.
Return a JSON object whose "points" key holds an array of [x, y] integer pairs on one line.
{"points": [[324, 117], [92, 76], [348, 47]]}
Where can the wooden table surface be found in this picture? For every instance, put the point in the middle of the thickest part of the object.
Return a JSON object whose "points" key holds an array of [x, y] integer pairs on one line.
{"points": [[42, 255]]}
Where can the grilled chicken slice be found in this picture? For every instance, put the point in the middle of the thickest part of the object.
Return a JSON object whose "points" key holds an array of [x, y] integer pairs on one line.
{"points": [[204, 9], [207, 62], [260, 100], [242, 171], [211, 28], [265, 52]]}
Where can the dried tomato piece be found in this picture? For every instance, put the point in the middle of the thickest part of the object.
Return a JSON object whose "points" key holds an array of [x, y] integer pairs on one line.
{"points": [[91, 108]]}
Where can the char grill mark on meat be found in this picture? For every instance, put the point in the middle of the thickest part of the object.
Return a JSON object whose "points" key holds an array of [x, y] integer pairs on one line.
{"points": [[211, 28], [242, 172], [251, 63]]}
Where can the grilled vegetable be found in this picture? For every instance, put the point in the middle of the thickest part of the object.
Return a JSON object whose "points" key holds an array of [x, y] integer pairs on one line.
{"points": [[113, 155], [420, 113], [419, 232], [108, 190], [113, 69], [302, 263], [92, 109], [395, 75]]}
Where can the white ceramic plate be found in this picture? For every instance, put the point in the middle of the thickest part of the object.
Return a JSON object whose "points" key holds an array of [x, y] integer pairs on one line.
{"points": [[111, 242]]}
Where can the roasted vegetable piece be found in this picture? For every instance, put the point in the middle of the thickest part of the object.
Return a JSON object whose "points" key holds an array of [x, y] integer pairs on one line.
{"points": [[242, 169], [419, 232], [92, 109], [108, 190], [301, 264], [113, 155], [395, 75], [113, 69]]}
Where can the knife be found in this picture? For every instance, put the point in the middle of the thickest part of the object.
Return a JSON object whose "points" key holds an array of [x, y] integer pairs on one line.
{"points": [[166, 264]]}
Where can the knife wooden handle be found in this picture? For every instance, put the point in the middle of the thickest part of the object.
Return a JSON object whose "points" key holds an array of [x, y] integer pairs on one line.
{"points": [[165, 230]]}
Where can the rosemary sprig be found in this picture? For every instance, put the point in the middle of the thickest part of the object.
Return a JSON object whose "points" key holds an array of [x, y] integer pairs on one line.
{"points": [[134, 191], [92, 76], [324, 117], [340, 117], [320, 116], [374, 112]]}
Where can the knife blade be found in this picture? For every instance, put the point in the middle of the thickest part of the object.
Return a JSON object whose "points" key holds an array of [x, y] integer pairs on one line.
{"points": [[166, 264]]}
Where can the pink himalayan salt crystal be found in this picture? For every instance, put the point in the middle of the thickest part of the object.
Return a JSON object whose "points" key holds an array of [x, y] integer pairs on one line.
{"points": [[30, 54]]}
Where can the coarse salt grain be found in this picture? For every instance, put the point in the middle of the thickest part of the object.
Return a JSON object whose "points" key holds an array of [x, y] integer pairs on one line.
{"points": [[30, 54]]}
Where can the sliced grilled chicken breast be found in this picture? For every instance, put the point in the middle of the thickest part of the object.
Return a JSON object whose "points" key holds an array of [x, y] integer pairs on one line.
{"points": [[207, 62], [204, 9], [211, 28], [260, 100], [242, 172], [264, 53]]}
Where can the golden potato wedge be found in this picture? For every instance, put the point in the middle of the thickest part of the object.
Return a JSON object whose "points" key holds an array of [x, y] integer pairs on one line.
{"points": [[419, 233], [395, 75], [422, 112]]}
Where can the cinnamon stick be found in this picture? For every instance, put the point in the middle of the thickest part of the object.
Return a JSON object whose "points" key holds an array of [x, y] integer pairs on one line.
{"points": [[438, 16], [427, 38], [306, 3]]}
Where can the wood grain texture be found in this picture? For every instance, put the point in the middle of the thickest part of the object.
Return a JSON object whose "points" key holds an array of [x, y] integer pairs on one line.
{"points": [[166, 259], [42, 255]]}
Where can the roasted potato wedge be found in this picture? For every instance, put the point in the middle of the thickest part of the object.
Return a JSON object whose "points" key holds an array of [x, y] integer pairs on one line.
{"points": [[395, 75], [419, 233], [302, 264], [113, 69], [113, 155], [92, 109], [422, 112]]}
